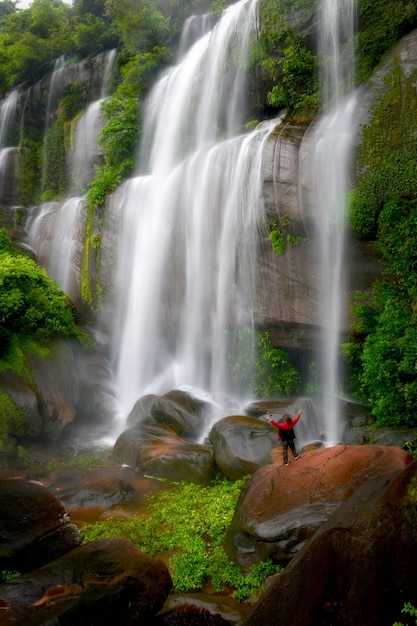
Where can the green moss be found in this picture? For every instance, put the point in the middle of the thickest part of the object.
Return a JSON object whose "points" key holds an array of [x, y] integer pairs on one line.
{"points": [[189, 522], [276, 238], [11, 416], [279, 238]]}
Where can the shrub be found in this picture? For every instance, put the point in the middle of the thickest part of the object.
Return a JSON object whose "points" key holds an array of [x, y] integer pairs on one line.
{"points": [[255, 362], [31, 305]]}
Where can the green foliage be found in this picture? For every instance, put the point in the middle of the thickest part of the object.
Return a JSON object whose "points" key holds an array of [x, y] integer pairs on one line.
{"points": [[296, 88], [277, 238], [30, 302], [389, 361], [381, 25], [411, 448], [384, 208], [280, 238], [288, 63], [388, 157], [273, 375], [189, 522], [409, 609], [55, 176], [6, 575]]}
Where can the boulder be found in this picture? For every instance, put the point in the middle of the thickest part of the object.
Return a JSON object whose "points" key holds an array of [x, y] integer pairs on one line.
{"points": [[96, 401], [102, 583], [141, 409], [102, 492], [57, 388], [183, 412], [281, 507], [241, 445], [35, 527], [215, 605], [189, 615], [359, 567], [159, 452]]}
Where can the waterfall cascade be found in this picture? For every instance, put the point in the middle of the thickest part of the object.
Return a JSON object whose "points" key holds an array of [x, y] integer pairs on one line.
{"points": [[331, 175], [56, 229], [189, 222], [188, 252]]}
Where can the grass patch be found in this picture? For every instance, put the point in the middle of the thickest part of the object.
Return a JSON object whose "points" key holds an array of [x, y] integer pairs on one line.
{"points": [[188, 523]]}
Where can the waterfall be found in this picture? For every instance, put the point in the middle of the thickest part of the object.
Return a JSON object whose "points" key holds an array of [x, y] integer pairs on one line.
{"points": [[8, 145], [83, 156], [188, 235], [56, 229], [56, 233], [331, 175], [81, 166], [8, 115]]}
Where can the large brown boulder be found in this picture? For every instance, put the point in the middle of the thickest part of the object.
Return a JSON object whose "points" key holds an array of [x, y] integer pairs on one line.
{"points": [[156, 450], [282, 507], [103, 583], [241, 445], [359, 568], [183, 412], [34, 526]]}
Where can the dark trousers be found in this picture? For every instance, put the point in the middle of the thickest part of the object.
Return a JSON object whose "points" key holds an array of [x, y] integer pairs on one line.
{"points": [[285, 446]]}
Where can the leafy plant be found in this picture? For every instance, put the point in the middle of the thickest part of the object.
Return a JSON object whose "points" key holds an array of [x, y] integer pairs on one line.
{"points": [[31, 305], [6, 575], [410, 610], [189, 523], [271, 374]]}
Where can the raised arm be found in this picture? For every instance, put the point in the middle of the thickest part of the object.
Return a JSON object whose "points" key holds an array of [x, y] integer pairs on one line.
{"points": [[285, 425]]}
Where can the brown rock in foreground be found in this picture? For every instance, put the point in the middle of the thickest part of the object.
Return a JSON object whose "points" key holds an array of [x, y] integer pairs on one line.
{"points": [[359, 568], [103, 583], [34, 526], [281, 507]]}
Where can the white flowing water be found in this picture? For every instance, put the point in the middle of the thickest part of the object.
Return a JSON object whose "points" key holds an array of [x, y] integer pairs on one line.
{"points": [[56, 229], [8, 115], [331, 174], [8, 119], [85, 147], [188, 257], [55, 232]]}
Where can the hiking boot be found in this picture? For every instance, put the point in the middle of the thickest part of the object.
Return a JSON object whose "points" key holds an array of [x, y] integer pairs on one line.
{"points": [[296, 457], [286, 464]]}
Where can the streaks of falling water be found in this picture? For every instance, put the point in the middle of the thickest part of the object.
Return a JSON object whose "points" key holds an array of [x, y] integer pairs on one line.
{"points": [[331, 174], [188, 258]]}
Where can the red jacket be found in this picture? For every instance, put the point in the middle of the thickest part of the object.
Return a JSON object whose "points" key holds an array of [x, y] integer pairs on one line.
{"points": [[286, 426]]}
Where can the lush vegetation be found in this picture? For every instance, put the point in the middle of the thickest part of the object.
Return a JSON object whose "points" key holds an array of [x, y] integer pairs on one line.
{"points": [[408, 609], [288, 63], [384, 211], [31, 305], [380, 26], [188, 523], [274, 375]]}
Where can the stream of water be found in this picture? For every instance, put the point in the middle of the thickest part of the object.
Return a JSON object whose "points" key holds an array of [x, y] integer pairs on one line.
{"points": [[331, 163]]}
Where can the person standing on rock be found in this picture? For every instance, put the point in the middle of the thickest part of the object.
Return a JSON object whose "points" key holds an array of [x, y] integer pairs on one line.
{"points": [[286, 433]]}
